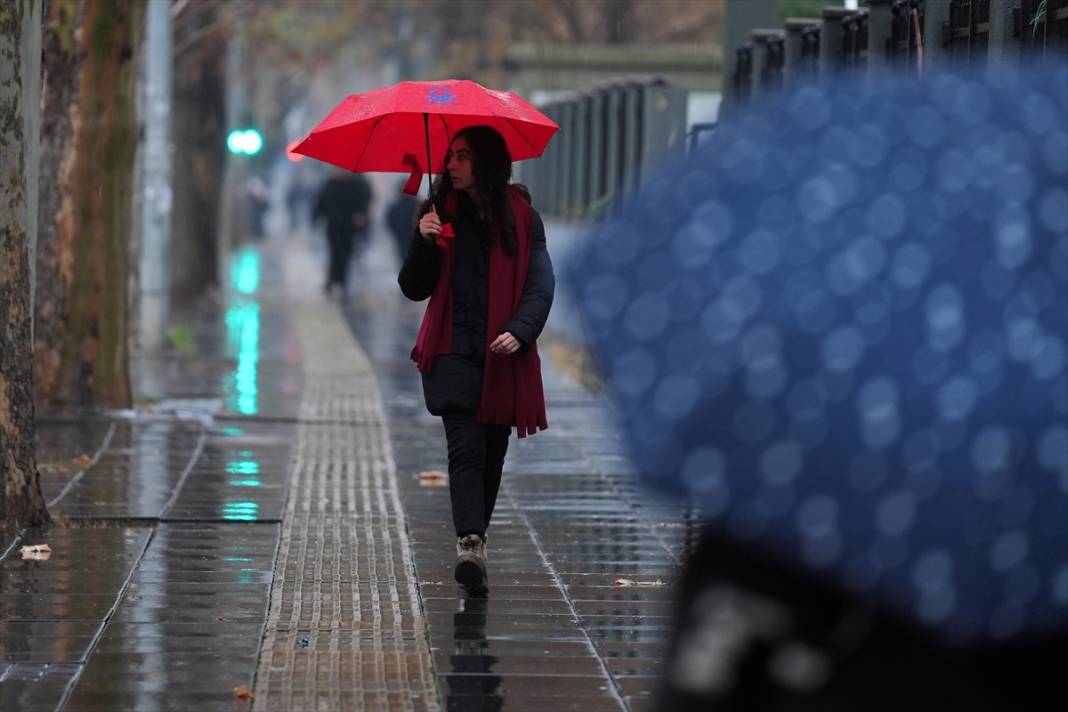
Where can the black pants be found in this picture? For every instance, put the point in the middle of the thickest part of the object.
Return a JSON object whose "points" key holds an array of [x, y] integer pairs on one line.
{"points": [[476, 457], [341, 244]]}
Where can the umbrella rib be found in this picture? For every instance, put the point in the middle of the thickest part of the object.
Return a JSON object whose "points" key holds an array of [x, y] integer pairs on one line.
{"points": [[536, 152], [448, 138], [367, 143]]}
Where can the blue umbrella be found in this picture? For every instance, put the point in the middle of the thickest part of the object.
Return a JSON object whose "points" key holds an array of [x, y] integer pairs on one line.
{"points": [[841, 327]]}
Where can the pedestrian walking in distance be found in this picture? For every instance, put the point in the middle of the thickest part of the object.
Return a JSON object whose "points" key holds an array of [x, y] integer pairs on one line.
{"points": [[479, 254], [343, 202]]}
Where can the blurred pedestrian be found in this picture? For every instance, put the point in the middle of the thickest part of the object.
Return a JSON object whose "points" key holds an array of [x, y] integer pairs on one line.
{"points": [[299, 196], [479, 254], [400, 217], [344, 202], [259, 200]]}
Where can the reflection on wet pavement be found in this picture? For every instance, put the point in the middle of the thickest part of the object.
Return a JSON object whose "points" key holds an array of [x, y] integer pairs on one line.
{"points": [[53, 611], [190, 621], [156, 593]]}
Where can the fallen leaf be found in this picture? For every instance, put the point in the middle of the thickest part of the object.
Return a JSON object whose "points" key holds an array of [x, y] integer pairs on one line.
{"points": [[433, 478], [39, 552], [83, 460], [243, 693]]}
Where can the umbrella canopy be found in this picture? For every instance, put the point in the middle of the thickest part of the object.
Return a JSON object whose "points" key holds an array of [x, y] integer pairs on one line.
{"points": [[841, 327], [389, 128]]}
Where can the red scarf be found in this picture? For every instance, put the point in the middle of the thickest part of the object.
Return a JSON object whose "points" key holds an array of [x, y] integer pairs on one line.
{"points": [[512, 392]]}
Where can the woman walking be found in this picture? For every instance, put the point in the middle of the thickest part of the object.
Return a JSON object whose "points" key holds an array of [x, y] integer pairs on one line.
{"points": [[479, 254]]}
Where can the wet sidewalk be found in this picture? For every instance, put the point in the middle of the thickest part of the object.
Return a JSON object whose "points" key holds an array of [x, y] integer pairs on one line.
{"points": [[259, 525]]}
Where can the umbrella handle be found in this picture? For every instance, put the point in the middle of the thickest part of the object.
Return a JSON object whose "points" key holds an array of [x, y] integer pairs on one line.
{"points": [[426, 133]]}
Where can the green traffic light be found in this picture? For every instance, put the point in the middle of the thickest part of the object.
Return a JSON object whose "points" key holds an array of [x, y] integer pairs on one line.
{"points": [[246, 141]]}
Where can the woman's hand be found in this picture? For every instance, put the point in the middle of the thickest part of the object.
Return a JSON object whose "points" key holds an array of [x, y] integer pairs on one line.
{"points": [[430, 226], [505, 344]]}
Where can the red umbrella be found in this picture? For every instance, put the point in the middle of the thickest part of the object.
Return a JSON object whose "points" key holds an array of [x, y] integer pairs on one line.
{"points": [[384, 129]]}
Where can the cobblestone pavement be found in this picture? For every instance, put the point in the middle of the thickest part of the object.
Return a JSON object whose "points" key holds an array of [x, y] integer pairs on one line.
{"points": [[258, 522]]}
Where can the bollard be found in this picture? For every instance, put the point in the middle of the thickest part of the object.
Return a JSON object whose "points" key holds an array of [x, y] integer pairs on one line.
{"points": [[801, 48]]}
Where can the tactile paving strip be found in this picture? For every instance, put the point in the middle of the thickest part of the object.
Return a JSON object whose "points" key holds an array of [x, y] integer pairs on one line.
{"points": [[345, 630]]}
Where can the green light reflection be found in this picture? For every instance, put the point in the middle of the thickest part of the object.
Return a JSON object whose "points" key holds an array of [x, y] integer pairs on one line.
{"points": [[243, 467], [243, 330], [240, 511], [245, 271]]}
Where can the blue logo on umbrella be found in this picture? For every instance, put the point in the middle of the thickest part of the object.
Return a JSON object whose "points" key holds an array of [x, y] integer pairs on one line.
{"points": [[441, 95]]}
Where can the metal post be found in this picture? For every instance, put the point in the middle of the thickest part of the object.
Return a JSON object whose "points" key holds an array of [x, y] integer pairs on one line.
{"points": [[831, 35], [632, 137], [156, 206], [880, 23], [743, 16], [767, 60], [797, 61], [580, 196], [567, 157], [663, 125], [1002, 45], [597, 147], [936, 15], [614, 130]]}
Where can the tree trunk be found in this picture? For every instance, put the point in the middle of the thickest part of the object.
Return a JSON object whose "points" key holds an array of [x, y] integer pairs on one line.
{"points": [[199, 131], [82, 351], [21, 503]]}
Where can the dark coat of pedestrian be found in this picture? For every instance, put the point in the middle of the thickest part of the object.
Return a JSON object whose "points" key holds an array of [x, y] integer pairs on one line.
{"points": [[479, 254], [343, 202], [400, 218]]}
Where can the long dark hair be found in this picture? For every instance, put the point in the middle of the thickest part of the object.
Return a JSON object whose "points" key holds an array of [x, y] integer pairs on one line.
{"points": [[492, 168]]}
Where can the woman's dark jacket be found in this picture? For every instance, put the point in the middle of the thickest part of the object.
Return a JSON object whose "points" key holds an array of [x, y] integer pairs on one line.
{"points": [[454, 383]]}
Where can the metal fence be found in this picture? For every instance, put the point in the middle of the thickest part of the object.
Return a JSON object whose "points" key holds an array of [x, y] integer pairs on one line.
{"points": [[902, 35], [613, 136], [609, 138]]}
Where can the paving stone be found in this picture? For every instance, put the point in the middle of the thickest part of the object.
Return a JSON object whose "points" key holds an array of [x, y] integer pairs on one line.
{"points": [[29, 687], [345, 629], [569, 521]]}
